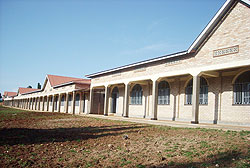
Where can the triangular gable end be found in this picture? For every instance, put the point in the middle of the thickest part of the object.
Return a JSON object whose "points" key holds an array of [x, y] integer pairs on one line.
{"points": [[229, 39], [46, 84]]}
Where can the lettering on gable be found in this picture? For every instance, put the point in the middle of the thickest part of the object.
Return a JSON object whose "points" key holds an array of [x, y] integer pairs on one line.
{"points": [[226, 51], [173, 61]]}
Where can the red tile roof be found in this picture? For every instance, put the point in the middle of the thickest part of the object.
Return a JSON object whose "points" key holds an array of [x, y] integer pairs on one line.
{"points": [[58, 80], [10, 94], [26, 90]]}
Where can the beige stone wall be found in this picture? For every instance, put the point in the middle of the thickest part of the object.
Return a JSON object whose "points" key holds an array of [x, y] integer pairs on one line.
{"points": [[230, 112], [233, 31]]}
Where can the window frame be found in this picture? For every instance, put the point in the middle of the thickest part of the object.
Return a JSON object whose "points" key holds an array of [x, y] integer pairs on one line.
{"points": [[163, 97], [203, 92], [136, 95], [241, 94]]}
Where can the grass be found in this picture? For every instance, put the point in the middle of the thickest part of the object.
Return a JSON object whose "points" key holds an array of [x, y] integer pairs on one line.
{"points": [[35, 139]]}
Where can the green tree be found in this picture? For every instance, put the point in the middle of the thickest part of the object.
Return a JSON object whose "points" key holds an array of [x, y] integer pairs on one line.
{"points": [[29, 86], [39, 86]]}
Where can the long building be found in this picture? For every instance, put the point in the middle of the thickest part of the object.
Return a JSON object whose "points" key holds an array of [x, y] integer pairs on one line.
{"points": [[207, 83], [58, 94]]}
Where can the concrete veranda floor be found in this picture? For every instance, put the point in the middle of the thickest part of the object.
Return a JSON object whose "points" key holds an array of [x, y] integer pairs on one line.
{"points": [[172, 123]]}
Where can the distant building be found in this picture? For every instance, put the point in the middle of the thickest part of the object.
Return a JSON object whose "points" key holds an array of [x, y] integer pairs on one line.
{"points": [[58, 94]]}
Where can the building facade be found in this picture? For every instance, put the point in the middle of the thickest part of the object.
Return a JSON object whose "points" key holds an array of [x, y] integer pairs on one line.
{"points": [[59, 94], [207, 83]]}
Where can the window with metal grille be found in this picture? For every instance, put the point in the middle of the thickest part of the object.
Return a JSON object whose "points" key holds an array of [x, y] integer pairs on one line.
{"points": [[163, 93], [136, 95], [242, 89], [203, 96]]}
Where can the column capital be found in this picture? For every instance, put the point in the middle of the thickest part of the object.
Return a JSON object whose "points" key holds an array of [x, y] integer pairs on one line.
{"points": [[195, 73], [127, 83], [154, 79]]}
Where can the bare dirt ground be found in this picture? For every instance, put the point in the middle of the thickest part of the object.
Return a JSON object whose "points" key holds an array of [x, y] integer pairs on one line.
{"points": [[34, 139]]}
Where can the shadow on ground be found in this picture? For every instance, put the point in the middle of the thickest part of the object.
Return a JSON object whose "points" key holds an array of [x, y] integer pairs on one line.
{"points": [[14, 136], [223, 159]]}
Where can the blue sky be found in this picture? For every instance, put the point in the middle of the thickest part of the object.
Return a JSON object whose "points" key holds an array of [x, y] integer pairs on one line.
{"points": [[79, 37]]}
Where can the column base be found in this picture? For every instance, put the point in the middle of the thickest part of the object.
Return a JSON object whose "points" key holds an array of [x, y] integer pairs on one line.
{"points": [[125, 116], [194, 122], [153, 118], [105, 114]]}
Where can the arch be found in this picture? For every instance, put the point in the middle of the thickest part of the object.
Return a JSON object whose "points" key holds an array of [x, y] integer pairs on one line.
{"points": [[77, 102], [114, 99], [203, 95], [136, 94], [241, 88], [163, 92], [115, 90], [241, 72]]}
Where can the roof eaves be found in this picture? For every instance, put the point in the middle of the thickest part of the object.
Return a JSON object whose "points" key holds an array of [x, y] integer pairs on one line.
{"points": [[32, 92], [63, 84], [138, 63], [68, 83]]}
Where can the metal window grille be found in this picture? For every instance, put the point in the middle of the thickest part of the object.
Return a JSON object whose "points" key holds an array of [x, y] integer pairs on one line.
{"points": [[163, 93], [203, 95], [136, 95], [242, 93]]}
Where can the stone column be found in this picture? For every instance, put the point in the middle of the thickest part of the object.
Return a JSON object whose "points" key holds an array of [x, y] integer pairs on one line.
{"points": [[126, 100], [106, 101], [59, 102], [91, 98], [67, 103], [195, 99], [154, 99], [53, 103], [73, 102]]}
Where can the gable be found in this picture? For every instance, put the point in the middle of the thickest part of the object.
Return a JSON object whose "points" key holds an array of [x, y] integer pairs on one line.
{"points": [[233, 30], [47, 86]]}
